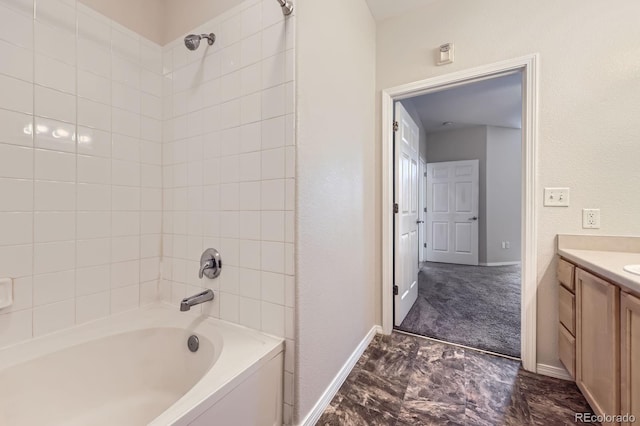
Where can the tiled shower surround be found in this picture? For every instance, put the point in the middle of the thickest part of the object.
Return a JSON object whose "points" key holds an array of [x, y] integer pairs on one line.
{"points": [[121, 161], [228, 170], [80, 166]]}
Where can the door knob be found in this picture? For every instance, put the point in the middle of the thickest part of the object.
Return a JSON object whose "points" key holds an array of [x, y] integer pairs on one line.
{"points": [[473, 218], [419, 221]]}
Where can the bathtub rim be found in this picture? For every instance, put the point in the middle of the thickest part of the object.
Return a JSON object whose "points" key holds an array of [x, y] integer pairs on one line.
{"points": [[255, 350]]}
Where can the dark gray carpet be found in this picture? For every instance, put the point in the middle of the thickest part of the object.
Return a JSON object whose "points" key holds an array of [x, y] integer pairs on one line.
{"points": [[475, 306]]}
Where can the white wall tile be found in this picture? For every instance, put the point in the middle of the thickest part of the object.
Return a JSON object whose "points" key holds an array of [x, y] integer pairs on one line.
{"points": [[273, 319], [94, 169], [16, 228], [16, 28], [54, 165], [250, 315], [92, 280], [53, 317], [55, 42], [54, 104], [54, 226], [251, 49], [94, 197], [93, 225], [16, 327], [17, 95], [55, 74], [274, 39], [273, 287], [55, 135], [229, 307], [273, 226], [60, 196], [16, 61], [92, 307], [94, 27], [251, 20], [273, 71], [17, 195], [16, 162], [94, 87], [273, 257], [93, 252], [124, 274], [17, 128], [59, 14], [94, 141], [53, 257], [16, 261], [273, 102], [273, 164], [94, 56], [56, 287], [273, 195]]}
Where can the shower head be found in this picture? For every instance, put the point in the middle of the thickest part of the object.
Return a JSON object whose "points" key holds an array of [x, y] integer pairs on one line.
{"points": [[287, 7], [192, 41]]}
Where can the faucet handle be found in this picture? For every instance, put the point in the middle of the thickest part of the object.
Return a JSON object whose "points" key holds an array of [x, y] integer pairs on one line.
{"points": [[210, 264], [204, 266]]}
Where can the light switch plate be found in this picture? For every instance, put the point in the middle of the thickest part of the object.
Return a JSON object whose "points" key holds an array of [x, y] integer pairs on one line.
{"points": [[556, 197]]}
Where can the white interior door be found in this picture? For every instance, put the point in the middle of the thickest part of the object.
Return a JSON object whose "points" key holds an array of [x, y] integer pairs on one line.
{"points": [[452, 212], [407, 139], [422, 211]]}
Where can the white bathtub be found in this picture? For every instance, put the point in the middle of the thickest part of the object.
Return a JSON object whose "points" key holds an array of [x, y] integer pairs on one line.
{"points": [[135, 369]]}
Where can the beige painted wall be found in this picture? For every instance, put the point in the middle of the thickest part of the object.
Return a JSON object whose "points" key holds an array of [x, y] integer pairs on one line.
{"points": [[335, 262], [162, 21], [145, 17], [589, 90]]}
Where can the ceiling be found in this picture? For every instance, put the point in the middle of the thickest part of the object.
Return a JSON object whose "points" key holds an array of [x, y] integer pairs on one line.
{"points": [[383, 9], [493, 102]]}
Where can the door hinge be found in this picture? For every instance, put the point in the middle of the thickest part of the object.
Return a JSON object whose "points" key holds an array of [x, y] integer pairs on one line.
{"points": [[425, 174], [425, 245], [396, 209], [395, 126], [425, 209], [395, 290]]}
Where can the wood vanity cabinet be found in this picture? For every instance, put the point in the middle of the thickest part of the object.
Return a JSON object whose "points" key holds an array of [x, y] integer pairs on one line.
{"points": [[567, 316], [629, 352], [598, 342]]}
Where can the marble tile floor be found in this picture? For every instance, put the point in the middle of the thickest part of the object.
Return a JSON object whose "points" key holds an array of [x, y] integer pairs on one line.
{"points": [[406, 380]]}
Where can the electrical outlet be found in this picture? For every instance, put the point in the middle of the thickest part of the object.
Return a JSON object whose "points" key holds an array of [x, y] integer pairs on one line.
{"points": [[556, 197], [591, 218]]}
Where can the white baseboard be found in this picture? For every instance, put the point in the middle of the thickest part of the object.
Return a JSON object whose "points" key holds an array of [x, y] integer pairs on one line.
{"points": [[500, 263], [338, 380], [551, 371]]}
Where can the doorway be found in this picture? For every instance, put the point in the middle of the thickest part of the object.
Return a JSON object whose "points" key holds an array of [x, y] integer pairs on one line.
{"points": [[526, 68]]}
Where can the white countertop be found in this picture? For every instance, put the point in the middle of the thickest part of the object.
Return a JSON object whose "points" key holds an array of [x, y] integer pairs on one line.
{"points": [[606, 260]]}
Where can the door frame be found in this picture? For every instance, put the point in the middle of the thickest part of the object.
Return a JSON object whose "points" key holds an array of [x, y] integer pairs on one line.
{"points": [[528, 65], [422, 197]]}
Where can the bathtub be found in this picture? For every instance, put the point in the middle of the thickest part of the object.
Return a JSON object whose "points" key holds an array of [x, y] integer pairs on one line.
{"points": [[136, 369]]}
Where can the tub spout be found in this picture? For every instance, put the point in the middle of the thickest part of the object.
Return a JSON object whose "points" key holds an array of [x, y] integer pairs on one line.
{"points": [[196, 299]]}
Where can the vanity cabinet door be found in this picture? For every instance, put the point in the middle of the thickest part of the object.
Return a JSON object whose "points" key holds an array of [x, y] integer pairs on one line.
{"points": [[598, 342], [630, 355]]}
